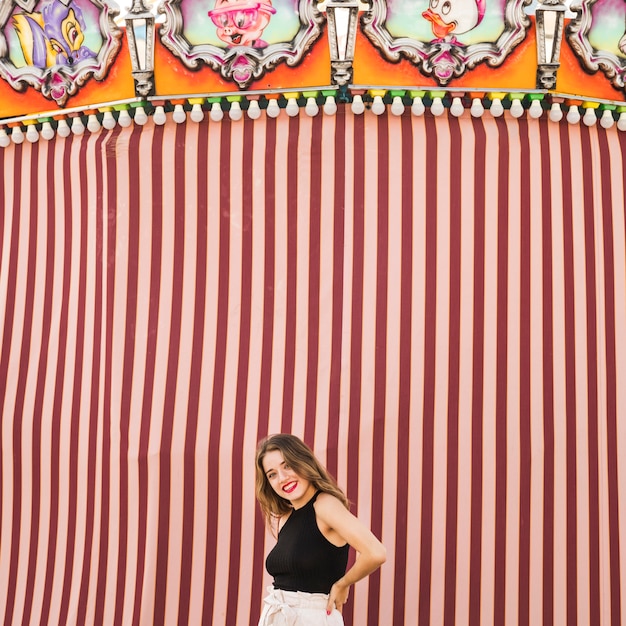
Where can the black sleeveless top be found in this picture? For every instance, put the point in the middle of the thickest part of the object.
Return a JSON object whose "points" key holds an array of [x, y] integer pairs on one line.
{"points": [[303, 559]]}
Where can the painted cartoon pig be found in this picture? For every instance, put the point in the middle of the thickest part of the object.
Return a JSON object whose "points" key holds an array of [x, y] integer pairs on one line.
{"points": [[242, 22]]}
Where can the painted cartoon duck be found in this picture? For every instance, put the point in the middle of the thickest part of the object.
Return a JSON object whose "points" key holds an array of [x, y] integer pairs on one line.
{"points": [[454, 17], [622, 44], [52, 36], [242, 22]]}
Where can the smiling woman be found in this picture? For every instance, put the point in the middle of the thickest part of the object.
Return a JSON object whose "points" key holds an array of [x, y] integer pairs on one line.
{"points": [[309, 515]]}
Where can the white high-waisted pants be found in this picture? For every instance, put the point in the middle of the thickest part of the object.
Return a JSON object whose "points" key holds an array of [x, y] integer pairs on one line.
{"points": [[297, 608]]}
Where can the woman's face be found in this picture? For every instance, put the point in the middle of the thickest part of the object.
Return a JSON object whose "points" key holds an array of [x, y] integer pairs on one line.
{"points": [[284, 480]]}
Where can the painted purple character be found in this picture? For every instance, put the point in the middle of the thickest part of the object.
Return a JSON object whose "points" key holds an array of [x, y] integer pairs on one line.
{"points": [[53, 36]]}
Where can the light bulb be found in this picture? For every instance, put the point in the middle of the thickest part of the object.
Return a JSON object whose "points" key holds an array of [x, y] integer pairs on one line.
{"points": [[437, 108], [124, 119], [216, 114], [47, 132], [556, 112], [140, 116], [179, 115], [273, 110], [311, 108], [589, 118], [397, 106], [358, 106], [235, 113], [31, 133], [197, 114], [477, 109], [497, 110], [78, 128], [17, 135], [330, 106], [418, 108], [378, 106], [108, 121], [516, 110], [63, 129], [159, 115], [606, 121], [93, 125], [457, 109], [5, 140], [621, 122], [535, 110], [254, 110], [292, 109], [573, 115]]}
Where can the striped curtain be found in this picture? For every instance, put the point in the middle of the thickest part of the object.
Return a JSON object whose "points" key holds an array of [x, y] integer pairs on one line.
{"points": [[436, 305]]}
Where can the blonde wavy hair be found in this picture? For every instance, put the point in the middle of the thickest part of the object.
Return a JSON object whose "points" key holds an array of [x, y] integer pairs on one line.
{"points": [[303, 462]]}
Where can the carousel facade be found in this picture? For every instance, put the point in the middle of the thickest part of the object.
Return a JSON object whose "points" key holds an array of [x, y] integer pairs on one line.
{"points": [[395, 228]]}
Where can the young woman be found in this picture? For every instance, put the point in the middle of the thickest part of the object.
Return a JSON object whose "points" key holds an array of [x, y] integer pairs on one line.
{"points": [[308, 514]]}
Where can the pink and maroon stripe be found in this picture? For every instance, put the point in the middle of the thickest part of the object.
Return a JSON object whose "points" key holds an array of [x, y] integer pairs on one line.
{"points": [[170, 294]]}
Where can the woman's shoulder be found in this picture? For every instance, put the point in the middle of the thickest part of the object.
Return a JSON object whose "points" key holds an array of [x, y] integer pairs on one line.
{"points": [[277, 522], [331, 515], [282, 520], [322, 496], [327, 502]]}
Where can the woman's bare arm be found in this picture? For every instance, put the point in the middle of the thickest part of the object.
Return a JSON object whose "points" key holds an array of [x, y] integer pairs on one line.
{"points": [[335, 520]]}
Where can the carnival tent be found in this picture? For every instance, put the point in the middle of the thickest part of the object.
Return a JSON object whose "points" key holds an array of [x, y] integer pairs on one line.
{"points": [[414, 257]]}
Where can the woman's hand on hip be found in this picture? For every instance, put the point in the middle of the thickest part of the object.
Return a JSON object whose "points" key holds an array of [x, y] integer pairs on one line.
{"points": [[337, 597]]}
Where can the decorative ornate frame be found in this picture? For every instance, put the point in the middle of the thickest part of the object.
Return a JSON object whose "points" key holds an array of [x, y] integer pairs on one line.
{"points": [[447, 59], [592, 59], [59, 82], [241, 64]]}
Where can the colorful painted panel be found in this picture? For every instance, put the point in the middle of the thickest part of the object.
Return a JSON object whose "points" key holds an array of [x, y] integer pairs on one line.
{"points": [[445, 38], [241, 39], [598, 36], [56, 45]]}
